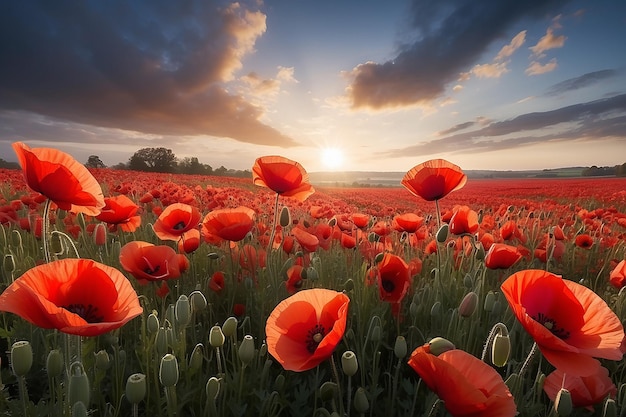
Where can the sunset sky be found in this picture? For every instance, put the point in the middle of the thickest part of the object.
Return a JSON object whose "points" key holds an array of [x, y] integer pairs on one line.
{"points": [[356, 85]]}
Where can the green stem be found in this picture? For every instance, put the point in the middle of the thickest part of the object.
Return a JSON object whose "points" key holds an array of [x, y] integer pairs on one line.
{"points": [[23, 393], [526, 363]]}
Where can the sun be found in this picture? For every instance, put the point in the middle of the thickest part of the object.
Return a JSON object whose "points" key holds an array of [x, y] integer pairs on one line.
{"points": [[332, 158]]}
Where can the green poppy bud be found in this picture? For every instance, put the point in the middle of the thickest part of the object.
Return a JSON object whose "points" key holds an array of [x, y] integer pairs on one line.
{"points": [[161, 342], [197, 357], [102, 360], [438, 345], [442, 233], [361, 404], [400, 347], [8, 263], [490, 299], [285, 217], [332, 222], [480, 252], [435, 310], [468, 304], [152, 323], [609, 409], [213, 388], [279, 382], [213, 256], [21, 357], [182, 312], [229, 328], [216, 337], [348, 285], [349, 363], [500, 350], [198, 301], [136, 388], [328, 390], [379, 257], [168, 370], [54, 363], [563, 403], [413, 308], [468, 281], [79, 409], [513, 382], [246, 350], [78, 387], [311, 273]]}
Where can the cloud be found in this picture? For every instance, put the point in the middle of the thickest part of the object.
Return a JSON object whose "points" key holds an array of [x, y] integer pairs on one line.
{"points": [[599, 119], [547, 42], [153, 67], [493, 70], [537, 68], [450, 36], [577, 83], [508, 50]]}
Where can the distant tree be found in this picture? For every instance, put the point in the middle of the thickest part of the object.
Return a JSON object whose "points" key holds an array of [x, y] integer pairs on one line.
{"points": [[193, 166], [94, 162], [9, 165], [620, 170], [153, 160], [120, 165], [220, 171]]}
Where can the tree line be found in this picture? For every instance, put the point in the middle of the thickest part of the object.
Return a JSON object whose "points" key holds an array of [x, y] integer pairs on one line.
{"points": [[165, 161], [594, 171]]}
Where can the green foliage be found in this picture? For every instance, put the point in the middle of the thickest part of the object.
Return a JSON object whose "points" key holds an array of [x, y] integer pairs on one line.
{"points": [[153, 160]]}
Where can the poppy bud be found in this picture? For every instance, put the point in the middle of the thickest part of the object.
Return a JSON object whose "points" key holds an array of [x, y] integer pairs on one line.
{"points": [[468, 304], [413, 308], [376, 334], [198, 301], [438, 345], [328, 390], [168, 370], [136, 388], [332, 222], [348, 285], [152, 323], [213, 256], [21, 357], [263, 349], [216, 337], [213, 388], [246, 350], [279, 382], [349, 363], [563, 403], [468, 281], [161, 341], [311, 273], [361, 404], [480, 252], [100, 234], [442, 233], [78, 387], [435, 310], [379, 257], [197, 357], [102, 360], [500, 350], [513, 382], [403, 236], [54, 363], [610, 408], [539, 383], [285, 217], [229, 328], [400, 347], [490, 299], [8, 263], [79, 410], [182, 312]]}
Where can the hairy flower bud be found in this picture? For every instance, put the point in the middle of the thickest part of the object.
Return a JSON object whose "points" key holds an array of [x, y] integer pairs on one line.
{"points": [[246, 350], [136, 388], [182, 312], [563, 403], [21, 357], [468, 304], [152, 323], [349, 363], [438, 345], [285, 217], [400, 347], [213, 388], [78, 387], [361, 404], [442, 233], [198, 301], [500, 350], [168, 370], [229, 328], [216, 337], [54, 363]]}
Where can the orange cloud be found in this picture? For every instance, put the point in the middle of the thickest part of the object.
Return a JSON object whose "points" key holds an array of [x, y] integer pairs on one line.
{"points": [[537, 68], [547, 42]]}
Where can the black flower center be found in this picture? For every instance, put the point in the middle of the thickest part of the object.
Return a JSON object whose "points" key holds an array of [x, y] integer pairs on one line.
{"points": [[88, 312], [148, 270], [551, 324], [314, 337], [388, 285], [179, 226]]}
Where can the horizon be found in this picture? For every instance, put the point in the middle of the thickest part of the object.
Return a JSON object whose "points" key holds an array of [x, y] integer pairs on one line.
{"points": [[488, 86]]}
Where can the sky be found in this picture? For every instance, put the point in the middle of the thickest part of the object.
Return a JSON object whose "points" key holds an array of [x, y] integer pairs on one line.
{"points": [[347, 85]]}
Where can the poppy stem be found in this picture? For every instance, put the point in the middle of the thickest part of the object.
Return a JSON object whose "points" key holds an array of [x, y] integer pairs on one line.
{"points": [[45, 231], [530, 356], [337, 380]]}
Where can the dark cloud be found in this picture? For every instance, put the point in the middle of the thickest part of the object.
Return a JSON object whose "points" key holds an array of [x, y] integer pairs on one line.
{"points": [[157, 67], [577, 83], [451, 35], [456, 128], [605, 118]]}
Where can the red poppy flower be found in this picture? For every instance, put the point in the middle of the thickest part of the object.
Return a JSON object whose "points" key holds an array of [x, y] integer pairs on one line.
{"points": [[147, 262], [304, 329], [60, 178], [570, 323], [120, 211], [464, 221], [294, 278], [586, 391], [308, 241], [175, 220], [502, 256], [361, 220], [584, 241], [217, 282], [229, 224], [549, 246], [347, 241], [510, 230], [393, 278], [434, 179], [617, 278], [283, 176], [467, 385], [407, 222], [75, 296], [189, 241]]}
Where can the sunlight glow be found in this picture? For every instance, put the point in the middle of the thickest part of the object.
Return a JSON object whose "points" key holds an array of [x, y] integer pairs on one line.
{"points": [[332, 158]]}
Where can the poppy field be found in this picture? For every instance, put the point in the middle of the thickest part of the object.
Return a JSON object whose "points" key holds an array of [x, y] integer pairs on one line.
{"points": [[129, 294]]}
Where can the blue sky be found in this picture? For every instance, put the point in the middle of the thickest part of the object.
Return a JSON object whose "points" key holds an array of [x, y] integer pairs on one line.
{"points": [[345, 85]]}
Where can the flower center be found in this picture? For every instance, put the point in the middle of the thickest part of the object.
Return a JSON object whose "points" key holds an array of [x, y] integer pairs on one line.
{"points": [[179, 226], [550, 324], [314, 337], [388, 285], [153, 270], [88, 312]]}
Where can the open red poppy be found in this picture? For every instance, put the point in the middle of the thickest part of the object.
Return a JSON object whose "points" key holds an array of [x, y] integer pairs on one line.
{"points": [[120, 212], [393, 278], [229, 224], [617, 277], [308, 241], [570, 323], [434, 179], [502, 256], [304, 329], [175, 220], [283, 176], [586, 391], [584, 241], [60, 178], [467, 385], [147, 262], [74, 296], [407, 222], [463, 221]]}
